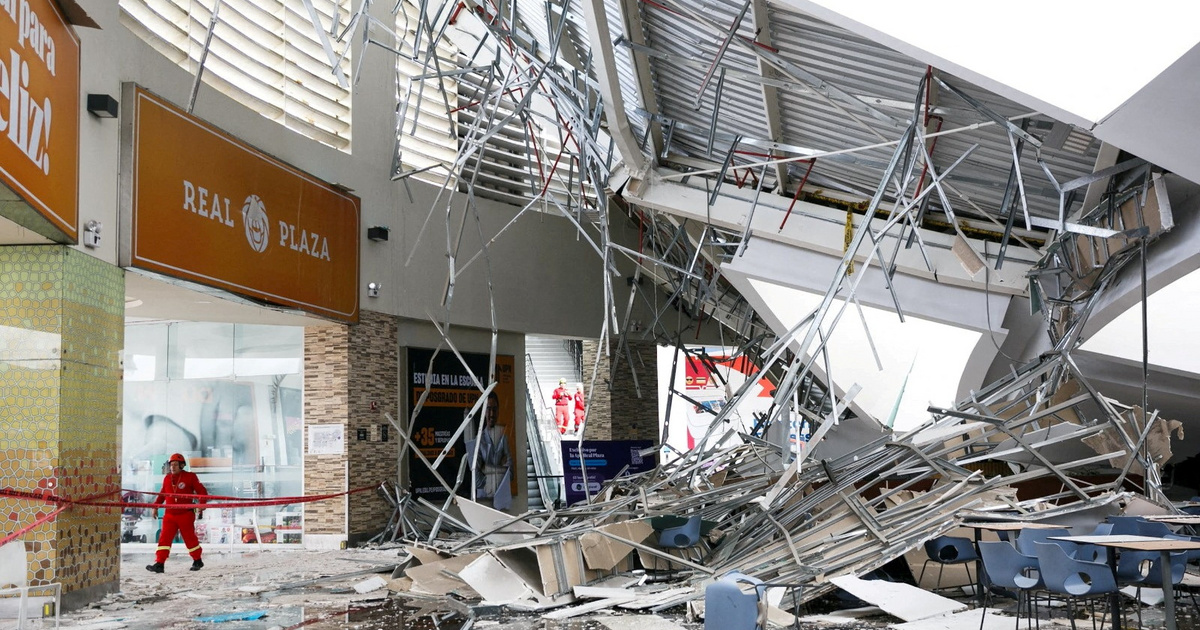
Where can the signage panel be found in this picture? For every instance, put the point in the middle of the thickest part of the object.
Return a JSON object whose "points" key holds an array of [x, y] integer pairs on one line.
{"points": [[39, 110], [438, 433], [209, 208], [604, 460]]}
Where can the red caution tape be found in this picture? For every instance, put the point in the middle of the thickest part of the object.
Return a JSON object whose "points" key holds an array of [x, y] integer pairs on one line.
{"points": [[222, 502], [44, 519]]}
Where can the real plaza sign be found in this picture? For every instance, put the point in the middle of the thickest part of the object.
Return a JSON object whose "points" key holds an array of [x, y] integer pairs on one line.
{"points": [[39, 110], [211, 209]]}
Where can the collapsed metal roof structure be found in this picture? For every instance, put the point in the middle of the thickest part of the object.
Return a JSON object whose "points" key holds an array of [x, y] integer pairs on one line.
{"points": [[713, 125]]}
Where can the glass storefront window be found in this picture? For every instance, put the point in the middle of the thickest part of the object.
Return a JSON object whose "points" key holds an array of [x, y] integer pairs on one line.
{"points": [[229, 398]]}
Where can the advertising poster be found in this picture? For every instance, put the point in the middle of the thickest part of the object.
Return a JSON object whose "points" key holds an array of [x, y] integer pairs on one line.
{"points": [[708, 376], [211, 422], [452, 394], [604, 461]]}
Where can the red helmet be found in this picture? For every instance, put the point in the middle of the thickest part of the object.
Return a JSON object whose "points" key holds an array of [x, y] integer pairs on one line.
{"points": [[178, 457]]}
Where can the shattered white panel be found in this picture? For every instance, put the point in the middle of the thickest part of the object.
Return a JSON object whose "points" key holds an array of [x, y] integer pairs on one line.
{"points": [[899, 600]]}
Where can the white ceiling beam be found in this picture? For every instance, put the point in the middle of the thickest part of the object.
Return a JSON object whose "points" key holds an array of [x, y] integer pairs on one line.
{"points": [[819, 228], [635, 32], [605, 65], [758, 13]]}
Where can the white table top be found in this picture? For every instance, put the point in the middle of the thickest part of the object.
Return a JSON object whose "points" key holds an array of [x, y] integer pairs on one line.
{"points": [[1136, 543], [1009, 526], [1175, 519]]}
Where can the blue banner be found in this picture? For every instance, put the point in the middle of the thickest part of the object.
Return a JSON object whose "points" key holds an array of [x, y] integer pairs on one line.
{"points": [[604, 460]]}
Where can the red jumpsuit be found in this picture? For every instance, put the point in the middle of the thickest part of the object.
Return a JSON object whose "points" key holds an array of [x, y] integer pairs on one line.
{"points": [[579, 398], [179, 519], [562, 398]]}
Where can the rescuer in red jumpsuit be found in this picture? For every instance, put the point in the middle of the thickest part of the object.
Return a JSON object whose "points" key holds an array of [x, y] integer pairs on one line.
{"points": [[562, 399], [579, 401], [179, 519]]}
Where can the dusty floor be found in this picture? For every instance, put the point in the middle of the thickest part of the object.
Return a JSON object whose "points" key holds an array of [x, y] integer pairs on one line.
{"points": [[288, 586], [289, 589]]}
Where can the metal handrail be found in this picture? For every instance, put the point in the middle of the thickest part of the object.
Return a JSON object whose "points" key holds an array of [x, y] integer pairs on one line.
{"points": [[548, 476]]}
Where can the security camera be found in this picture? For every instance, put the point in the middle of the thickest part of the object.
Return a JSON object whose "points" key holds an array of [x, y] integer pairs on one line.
{"points": [[373, 289], [91, 234]]}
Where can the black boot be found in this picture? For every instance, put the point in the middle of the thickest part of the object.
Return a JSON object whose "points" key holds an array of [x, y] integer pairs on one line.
{"points": [[157, 567], [197, 565]]}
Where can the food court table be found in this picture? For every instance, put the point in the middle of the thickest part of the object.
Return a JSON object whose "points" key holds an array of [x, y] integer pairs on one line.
{"points": [[1139, 543], [997, 526], [1175, 519]]}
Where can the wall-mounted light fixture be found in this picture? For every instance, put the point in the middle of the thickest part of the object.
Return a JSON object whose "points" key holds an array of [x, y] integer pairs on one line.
{"points": [[373, 289], [91, 234], [102, 105], [378, 233]]}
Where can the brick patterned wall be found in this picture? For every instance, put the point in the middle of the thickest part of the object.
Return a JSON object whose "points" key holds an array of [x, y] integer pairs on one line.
{"points": [[616, 411], [326, 387], [373, 391]]}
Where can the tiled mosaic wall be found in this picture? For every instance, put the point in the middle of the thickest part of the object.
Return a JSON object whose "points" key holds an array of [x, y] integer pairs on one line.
{"points": [[616, 411], [351, 377], [374, 391], [62, 314], [326, 374]]}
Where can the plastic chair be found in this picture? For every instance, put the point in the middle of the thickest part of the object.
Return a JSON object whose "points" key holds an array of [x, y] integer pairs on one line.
{"points": [[1028, 538], [1008, 568], [1193, 555], [1154, 528], [946, 550], [1144, 568], [726, 607], [1074, 579], [1124, 525], [683, 536], [14, 578]]}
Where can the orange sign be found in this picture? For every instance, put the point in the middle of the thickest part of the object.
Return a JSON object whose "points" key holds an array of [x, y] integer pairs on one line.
{"points": [[39, 109], [211, 209]]}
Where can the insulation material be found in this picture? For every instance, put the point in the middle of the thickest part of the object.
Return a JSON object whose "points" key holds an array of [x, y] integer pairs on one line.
{"points": [[493, 581], [438, 578], [604, 553], [500, 527], [1157, 441]]}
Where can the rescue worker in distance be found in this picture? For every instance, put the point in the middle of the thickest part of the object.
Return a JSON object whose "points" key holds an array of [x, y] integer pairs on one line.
{"points": [[180, 513], [562, 398]]}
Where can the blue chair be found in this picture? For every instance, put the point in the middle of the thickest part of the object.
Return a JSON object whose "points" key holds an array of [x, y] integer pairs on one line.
{"points": [[1008, 568], [681, 537], [1144, 568], [1124, 525], [1073, 579], [1134, 566], [1154, 528], [1089, 553], [946, 550], [726, 607], [1193, 555], [1028, 538]]}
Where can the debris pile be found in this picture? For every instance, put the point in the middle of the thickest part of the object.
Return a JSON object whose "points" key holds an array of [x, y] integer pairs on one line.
{"points": [[846, 506]]}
